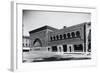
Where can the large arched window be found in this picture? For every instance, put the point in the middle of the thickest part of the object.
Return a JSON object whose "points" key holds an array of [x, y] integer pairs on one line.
{"points": [[37, 43], [77, 34], [68, 35], [73, 34]]}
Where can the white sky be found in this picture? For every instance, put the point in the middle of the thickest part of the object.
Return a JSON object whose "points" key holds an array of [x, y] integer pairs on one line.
{"points": [[35, 19]]}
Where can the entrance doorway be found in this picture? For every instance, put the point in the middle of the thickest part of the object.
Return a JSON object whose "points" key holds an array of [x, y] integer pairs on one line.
{"points": [[54, 48], [64, 48], [78, 48]]}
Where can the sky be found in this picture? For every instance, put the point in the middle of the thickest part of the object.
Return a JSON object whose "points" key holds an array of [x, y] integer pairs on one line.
{"points": [[33, 19]]}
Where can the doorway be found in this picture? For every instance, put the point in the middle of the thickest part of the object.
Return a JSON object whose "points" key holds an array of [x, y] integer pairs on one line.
{"points": [[64, 48]]}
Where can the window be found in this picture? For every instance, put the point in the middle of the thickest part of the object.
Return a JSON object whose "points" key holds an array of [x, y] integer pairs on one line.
{"points": [[51, 38], [57, 37], [54, 38], [64, 36], [73, 34], [23, 45], [25, 50], [78, 48], [54, 48], [61, 37], [65, 48], [68, 34], [26, 44], [77, 34]]}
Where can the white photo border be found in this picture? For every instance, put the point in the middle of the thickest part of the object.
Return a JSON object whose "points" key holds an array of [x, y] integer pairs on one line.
{"points": [[16, 59]]}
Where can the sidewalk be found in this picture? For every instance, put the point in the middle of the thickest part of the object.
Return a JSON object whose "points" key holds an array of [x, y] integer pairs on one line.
{"points": [[34, 56]]}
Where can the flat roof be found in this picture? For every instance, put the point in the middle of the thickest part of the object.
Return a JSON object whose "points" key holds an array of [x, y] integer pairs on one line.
{"points": [[26, 37]]}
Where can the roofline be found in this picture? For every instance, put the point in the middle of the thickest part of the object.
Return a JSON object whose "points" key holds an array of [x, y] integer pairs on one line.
{"points": [[42, 28], [26, 37], [84, 23]]}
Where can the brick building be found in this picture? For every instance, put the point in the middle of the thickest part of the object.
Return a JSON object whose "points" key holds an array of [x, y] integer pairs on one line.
{"points": [[73, 39]]}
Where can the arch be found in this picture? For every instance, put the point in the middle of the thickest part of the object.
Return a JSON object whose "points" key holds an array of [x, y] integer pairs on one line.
{"points": [[73, 34], [57, 37], [51, 38], [37, 43], [64, 35], [77, 34], [54, 38], [61, 37], [68, 35]]}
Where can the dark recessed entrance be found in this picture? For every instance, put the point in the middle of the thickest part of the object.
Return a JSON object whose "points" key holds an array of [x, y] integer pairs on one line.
{"points": [[65, 48], [54, 48], [78, 48]]}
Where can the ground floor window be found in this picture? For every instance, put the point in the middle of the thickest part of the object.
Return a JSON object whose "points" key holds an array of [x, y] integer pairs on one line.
{"points": [[65, 48], [25, 50], [54, 48], [78, 48]]}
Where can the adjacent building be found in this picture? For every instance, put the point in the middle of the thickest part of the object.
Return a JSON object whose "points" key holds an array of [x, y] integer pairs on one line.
{"points": [[26, 43]]}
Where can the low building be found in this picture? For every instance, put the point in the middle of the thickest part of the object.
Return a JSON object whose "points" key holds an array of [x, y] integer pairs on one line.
{"points": [[26, 43], [73, 39]]}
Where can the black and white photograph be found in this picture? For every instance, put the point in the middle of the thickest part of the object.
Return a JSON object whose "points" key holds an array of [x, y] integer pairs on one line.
{"points": [[55, 36]]}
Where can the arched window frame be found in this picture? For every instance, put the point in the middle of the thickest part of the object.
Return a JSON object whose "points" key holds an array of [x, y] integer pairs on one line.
{"points": [[51, 38], [54, 38], [68, 35], [57, 37], [64, 35], [61, 37], [73, 33], [78, 34]]}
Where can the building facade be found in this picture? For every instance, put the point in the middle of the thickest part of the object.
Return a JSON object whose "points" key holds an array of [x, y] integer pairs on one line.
{"points": [[69, 39], [74, 39], [39, 37]]}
